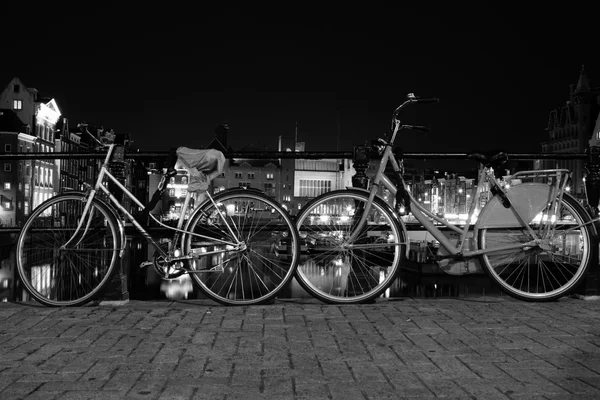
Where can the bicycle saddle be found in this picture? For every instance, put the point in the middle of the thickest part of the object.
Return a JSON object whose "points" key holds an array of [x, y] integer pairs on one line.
{"points": [[489, 159]]}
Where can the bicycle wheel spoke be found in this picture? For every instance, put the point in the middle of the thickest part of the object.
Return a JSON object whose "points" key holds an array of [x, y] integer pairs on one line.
{"points": [[335, 270], [58, 276], [547, 270], [267, 257]]}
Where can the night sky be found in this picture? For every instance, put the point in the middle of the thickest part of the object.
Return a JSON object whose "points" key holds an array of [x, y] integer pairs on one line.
{"points": [[169, 77]]}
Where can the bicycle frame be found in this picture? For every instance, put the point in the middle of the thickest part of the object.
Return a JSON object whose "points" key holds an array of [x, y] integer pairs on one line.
{"points": [[100, 187], [424, 216]]}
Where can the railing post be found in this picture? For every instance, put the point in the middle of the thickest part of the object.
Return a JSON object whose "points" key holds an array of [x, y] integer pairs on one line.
{"points": [[118, 288], [360, 159], [592, 189]]}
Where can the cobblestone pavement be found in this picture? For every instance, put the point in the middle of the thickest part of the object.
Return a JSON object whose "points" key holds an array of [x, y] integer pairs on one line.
{"points": [[468, 348]]}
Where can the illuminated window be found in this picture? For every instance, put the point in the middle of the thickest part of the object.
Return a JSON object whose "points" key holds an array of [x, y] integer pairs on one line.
{"points": [[6, 185], [269, 176], [26, 207], [172, 192], [287, 198], [313, 187], [6, 205], [17, 104]]}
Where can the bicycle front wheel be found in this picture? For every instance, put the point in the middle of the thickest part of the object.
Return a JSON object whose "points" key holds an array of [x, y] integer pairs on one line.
{"points": [[59, 267], [337, 271], [543, 272], [251, 247]]}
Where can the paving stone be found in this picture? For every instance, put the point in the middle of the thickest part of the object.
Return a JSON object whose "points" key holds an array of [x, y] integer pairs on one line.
{"points": [[475, 348]]}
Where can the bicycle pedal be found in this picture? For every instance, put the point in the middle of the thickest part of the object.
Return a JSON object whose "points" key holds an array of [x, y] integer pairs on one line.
{"points": [[146, 264]]}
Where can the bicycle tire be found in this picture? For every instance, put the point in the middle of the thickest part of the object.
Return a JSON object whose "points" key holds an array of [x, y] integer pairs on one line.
{"points": [[59, 277], [256, 274], [539, 273], [336, 274]]}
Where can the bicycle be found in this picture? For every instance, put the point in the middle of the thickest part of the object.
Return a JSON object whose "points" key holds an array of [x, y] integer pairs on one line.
{"points": [[532, 237], [239, 246]]}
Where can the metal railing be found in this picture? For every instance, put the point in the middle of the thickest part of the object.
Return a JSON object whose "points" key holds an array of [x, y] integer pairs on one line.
{"points": [[360, 156]]}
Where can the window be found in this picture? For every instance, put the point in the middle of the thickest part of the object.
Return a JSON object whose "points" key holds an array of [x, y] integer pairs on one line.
{"points": [[16, 88], [269, 176], [250, 175], [27, 189], [20, 186], [17, 104], [6, 205], [26, 207], [287, 198], [172, 192], [244, 185], [7, 167], [238, 175], [6, 185], [7, 148], [313, 187], [184, 180]]}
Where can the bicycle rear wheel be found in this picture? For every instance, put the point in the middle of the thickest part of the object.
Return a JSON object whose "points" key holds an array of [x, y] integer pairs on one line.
{"points": [[262, 268], [545, 272], [60, 276], [338, 272]]}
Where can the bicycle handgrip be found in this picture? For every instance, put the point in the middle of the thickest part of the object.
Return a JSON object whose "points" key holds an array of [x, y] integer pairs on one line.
{"points": [[416, 128], [429, 100]]}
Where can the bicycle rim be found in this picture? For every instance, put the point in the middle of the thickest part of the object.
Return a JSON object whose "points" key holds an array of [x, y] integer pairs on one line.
{"points": [[256, 274], [71, 276], [335, 271], [546, 272]]}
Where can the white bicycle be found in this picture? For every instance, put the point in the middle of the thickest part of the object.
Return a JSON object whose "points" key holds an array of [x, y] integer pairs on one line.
{"points": [[532, 237]]}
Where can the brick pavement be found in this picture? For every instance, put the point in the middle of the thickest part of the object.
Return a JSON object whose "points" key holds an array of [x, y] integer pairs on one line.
{"points": [[468, 348]]}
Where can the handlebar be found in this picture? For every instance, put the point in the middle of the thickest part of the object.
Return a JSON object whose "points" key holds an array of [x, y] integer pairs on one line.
{"points": [[411, 98], [84, 127]]}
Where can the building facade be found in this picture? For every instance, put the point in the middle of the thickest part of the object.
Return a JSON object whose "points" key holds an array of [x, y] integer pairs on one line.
{"points": [[15, 175], [39, 116], [570, 128]]}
